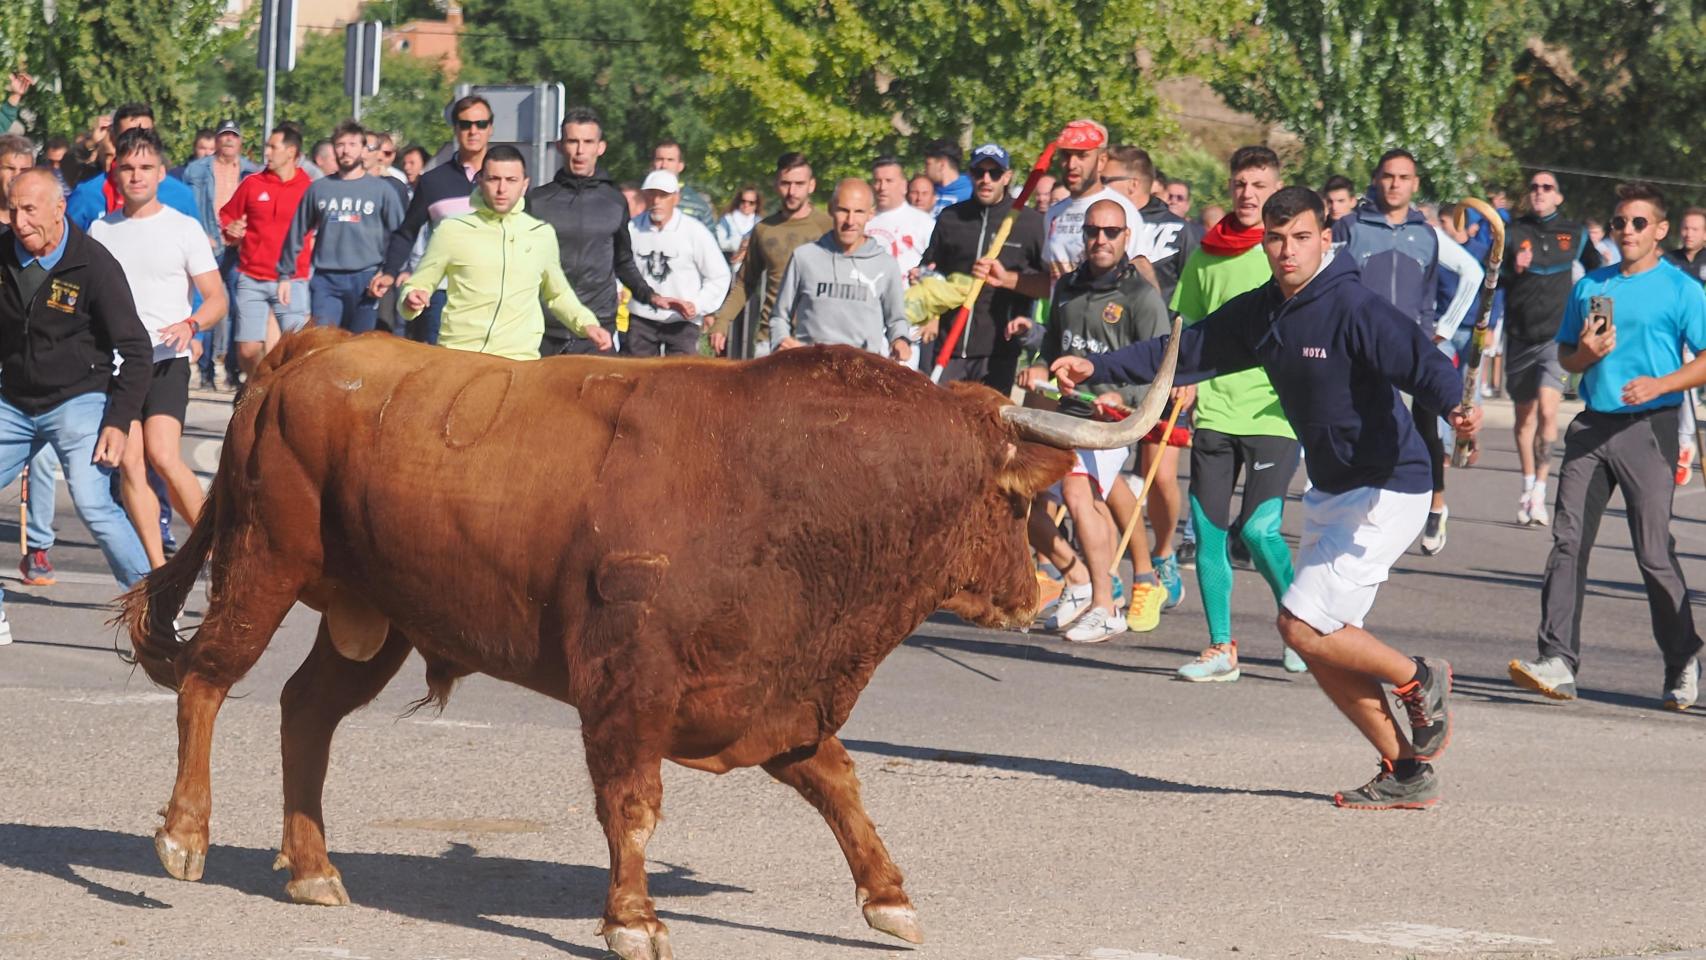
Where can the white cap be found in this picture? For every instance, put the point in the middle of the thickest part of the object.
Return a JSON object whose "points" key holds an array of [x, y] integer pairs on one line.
{"points": [[662, 181]]}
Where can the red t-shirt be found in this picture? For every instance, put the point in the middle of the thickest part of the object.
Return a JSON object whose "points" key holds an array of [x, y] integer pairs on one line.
{"points": [[269, 204]]}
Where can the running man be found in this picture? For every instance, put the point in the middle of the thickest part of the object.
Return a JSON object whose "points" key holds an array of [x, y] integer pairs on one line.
{"points": [[165, 255], [256, 218], [1337, 355], [845, 288], [1626, 438], [1239, 424]]}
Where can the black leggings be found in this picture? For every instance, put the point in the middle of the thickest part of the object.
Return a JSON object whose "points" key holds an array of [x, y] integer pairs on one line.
{"points": [[1427, 424]]}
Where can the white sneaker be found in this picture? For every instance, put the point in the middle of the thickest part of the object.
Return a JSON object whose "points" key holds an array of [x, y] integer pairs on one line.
{"points": [[1525, 508], [1433, 533], [1683, 690], [1096, 626], [5, 629], [1537, 508], [1067, 607]]}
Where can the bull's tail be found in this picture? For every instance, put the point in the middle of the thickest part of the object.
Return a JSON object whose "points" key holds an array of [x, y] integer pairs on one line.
{"points": [[148, 609]]}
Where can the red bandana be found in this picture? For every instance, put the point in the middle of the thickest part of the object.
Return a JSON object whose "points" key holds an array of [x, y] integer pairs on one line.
{"points": [[110, 188], [1228, 239]]}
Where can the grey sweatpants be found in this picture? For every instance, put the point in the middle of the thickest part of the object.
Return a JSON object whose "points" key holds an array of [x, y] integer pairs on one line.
{"points": [[1604, 451]]}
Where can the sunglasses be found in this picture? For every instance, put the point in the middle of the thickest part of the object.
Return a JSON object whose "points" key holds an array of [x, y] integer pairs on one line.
{"points": [[1108, 180], [749, 201], [473, 124], [1542, 187], [1639, 223], [1091, 232], [986, 173]]}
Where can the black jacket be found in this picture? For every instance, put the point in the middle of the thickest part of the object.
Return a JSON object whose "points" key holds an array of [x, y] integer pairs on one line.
{"points": [[1168, 240], [962, 235], [440, 192], [590, 216], [60, 345], [1536, 297]]}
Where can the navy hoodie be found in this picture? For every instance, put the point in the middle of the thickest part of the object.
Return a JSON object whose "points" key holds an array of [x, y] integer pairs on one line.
{"points": [[1337, 354]]}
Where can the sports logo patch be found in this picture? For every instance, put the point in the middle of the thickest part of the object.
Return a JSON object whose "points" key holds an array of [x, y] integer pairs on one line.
{"points": [[1112, 313], [63, 296], [1565, 241]]}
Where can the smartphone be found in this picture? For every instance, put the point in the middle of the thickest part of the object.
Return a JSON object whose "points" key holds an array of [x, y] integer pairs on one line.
{"points": [[1599, 314]]}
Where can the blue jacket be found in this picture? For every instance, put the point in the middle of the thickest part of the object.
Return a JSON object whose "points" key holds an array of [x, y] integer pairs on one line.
{"points": [[1337, 355], [88, 201], [198, 176], [1398, 261]]}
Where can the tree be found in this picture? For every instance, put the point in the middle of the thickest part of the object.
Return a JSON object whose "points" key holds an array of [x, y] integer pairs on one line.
{"points": [[1612, 88], [1353, 78], [96, 54]]}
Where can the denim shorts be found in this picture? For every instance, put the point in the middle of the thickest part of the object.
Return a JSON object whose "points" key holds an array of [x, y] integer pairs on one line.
{"points": [[256, 297]]}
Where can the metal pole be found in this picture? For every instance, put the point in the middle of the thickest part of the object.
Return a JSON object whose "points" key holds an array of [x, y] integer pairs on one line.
{"points": [[355, 101], [271, 52]]}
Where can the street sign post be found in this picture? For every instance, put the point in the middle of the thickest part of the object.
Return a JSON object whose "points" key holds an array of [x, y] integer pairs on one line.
{"points": [[277, 50], [361, 62]]}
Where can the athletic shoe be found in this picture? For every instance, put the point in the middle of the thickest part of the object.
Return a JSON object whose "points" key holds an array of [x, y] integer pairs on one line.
{"points": [[1186, 553], [1294, 663], [1238, 551], [1387, 792], [1096, 626], [1118, 591], [37, 569], [1433, 535], [1217, 664], [1537, 508], [1146, 603], [1547, 675], [5, 629], [1682, 688], [1167, 571], [1685, 464], [1428, 705], [1067, 607], [1525, 508]]}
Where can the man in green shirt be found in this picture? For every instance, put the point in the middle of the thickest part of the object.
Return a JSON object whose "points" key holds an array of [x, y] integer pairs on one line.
{"points": [[770, 248], [1238, 423]]}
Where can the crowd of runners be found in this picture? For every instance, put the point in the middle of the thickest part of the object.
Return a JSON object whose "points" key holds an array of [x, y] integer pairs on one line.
{"points": [[1324, 327]]}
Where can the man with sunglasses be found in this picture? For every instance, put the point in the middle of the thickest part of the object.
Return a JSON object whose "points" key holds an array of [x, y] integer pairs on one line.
{"points": [[443, 191], [1540, 248], [1633, 381]]}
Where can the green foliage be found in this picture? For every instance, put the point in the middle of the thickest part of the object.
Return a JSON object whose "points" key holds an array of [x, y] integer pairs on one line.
{"points": [[97, 54], [1355, 77]]}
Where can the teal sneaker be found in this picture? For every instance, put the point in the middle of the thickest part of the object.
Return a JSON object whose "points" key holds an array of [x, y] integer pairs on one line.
{"points": [[1119, 592], [1167, 571], [1217, 664], [1294, 663]]}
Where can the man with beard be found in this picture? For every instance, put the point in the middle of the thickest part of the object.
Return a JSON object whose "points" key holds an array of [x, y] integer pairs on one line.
{"points": [[770, 248]]}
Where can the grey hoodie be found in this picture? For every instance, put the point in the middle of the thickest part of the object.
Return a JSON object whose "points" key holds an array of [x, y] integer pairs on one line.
{"points": [[831, 297]]}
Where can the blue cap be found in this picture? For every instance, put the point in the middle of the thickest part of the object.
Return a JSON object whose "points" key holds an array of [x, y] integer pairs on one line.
{"points": [[992, 153]]}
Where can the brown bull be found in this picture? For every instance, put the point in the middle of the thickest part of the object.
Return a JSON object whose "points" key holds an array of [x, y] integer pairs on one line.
{"points": [[544, 523]]}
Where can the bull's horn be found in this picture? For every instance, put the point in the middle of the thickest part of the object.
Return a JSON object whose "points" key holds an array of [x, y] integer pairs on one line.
{"points": [[1076, 433]]}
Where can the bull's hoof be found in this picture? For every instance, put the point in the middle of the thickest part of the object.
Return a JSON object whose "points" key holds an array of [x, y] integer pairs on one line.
{"points": [[326, 891], [639, 943], [183, 861], [896, 921]]}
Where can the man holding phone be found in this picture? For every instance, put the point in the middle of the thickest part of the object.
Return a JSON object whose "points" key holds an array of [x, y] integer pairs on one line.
{"points": [[1627, 437]]}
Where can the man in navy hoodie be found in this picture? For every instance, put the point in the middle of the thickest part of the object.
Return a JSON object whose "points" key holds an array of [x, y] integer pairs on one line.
{"points": [[1337, 354]]}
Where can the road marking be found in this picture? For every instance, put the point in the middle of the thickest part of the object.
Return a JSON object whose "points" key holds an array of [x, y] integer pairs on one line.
{"points": [[1108, 953], [1432, 939], [440, 722], [117, 699]]}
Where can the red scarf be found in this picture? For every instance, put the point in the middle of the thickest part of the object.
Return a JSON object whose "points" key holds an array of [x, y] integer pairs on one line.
{"points": [[109, 187], [1228, 239]]}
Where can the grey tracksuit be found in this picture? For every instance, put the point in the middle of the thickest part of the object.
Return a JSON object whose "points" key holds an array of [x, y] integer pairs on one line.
{"points": [[828, 296]]}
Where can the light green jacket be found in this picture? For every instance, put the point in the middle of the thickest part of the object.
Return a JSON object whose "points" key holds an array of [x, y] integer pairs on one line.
{"points": [[499, 267]]}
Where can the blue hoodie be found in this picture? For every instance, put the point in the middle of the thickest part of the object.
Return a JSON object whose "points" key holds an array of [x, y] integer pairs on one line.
{"points": [[1337, 355], [1398, 261]]}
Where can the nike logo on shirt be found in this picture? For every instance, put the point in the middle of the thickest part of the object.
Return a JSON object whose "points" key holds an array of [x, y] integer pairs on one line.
{"points": [[1262, 466]]}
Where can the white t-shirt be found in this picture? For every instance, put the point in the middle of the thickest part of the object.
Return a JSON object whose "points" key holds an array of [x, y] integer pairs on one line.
{"points": [[905, 231], [1065, 227], [160, 254]]}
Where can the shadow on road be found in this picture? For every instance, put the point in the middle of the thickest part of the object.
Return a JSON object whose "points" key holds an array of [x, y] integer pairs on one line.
{"points": [[459, 887], [1088, 774], [1040, 654]]}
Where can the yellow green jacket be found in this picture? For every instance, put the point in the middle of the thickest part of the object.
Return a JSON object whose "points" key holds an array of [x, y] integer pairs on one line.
{"points": [[499, 267]]}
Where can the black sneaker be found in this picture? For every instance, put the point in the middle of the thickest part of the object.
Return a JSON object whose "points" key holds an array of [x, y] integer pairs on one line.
{"points": [[1387, 792], [1429, 710], [1238, 551], [1186, 551]]}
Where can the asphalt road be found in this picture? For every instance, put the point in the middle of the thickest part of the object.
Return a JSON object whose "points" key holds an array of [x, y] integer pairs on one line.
{"points": [[1046, 801]]}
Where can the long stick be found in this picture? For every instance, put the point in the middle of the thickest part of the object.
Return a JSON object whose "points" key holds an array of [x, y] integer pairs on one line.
{"points": [[945, 350], [1464, 452], [24, 511], [1083, 396], [1148, 481]]}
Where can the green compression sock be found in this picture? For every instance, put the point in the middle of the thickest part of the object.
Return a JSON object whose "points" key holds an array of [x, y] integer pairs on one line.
{"points": [[1214, 575]]}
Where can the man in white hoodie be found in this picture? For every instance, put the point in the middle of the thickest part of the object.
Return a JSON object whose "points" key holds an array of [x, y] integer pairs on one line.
{"points": [[680, 259], [845, 288]]}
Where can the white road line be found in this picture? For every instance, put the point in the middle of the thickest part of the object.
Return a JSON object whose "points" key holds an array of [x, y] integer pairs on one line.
{"points": [[117, 699], [1428, 938], [1108, 953]]}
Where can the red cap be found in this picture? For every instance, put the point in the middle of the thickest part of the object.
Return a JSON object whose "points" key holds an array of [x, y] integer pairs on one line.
{"points": [[1082, 135]]}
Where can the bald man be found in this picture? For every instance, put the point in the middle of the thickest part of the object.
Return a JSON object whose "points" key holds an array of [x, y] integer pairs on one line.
{"points": [[65, 309], [846, 287]]}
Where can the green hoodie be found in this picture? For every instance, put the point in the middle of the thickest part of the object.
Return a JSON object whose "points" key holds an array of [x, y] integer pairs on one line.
{"points": [[499, 266]]}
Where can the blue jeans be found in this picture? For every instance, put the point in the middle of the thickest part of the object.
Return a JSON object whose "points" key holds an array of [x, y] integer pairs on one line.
{"points": [[71, 429], [216, 344], [424, 328], [44, 486], [339, 299]]}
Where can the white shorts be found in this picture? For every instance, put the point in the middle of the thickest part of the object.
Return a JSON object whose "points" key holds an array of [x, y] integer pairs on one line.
{"points": [[1102, 466], [1350, 542]]}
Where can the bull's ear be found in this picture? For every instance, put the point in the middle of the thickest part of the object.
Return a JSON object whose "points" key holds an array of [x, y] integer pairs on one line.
{"points": [[1032, 468]]}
